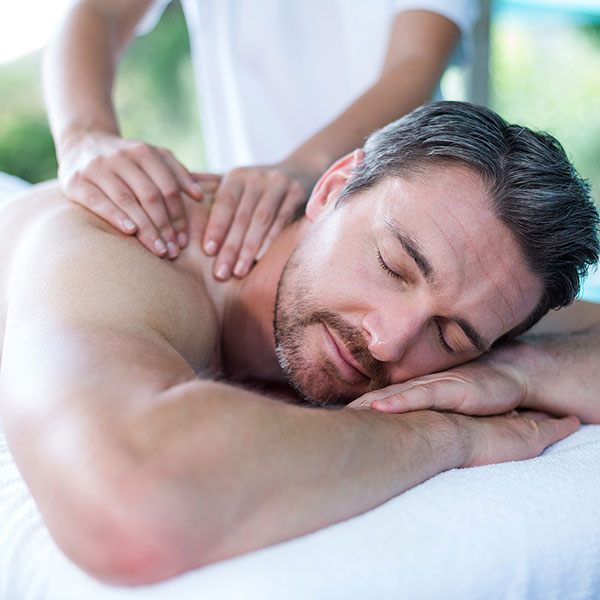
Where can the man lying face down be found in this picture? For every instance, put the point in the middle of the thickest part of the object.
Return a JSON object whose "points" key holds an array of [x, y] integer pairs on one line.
{"points": [[448, 232], [451, 232]]}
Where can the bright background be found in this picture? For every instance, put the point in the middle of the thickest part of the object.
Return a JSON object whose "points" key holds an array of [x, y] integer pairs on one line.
{"points": [[544, 73]]}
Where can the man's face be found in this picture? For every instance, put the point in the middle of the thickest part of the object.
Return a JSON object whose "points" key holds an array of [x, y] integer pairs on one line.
{"points": [[412, 276]]}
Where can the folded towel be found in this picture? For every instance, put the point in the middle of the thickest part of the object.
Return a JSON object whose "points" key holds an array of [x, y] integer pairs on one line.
{"points": [[527, 530]]}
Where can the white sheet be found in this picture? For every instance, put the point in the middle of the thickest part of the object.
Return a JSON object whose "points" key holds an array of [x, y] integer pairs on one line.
{"points": [[518, 530]]}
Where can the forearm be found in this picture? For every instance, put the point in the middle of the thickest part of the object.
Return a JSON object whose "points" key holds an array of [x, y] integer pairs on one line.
{"points": [[560, 371], [79, 69], [420, 45], [242, 472], [398, 91]]}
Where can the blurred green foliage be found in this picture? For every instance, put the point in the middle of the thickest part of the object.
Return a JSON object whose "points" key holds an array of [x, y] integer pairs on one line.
{"points": [[544, 73], [154, 94]]}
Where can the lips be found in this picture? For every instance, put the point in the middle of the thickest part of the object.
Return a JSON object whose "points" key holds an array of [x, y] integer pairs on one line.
{"points": [[349, 368]]}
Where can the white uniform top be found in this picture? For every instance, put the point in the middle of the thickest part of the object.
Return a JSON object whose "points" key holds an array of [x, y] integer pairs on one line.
{"points": [[270, 73]]}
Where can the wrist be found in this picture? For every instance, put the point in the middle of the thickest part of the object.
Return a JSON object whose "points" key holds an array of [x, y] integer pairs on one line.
{"points": [[447, 437], [308, 164], [77, 134]]}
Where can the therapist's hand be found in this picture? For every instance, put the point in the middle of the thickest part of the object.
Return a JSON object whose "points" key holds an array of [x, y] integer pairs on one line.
{"points": [[489, 385], [136, 187], [252, 206]]}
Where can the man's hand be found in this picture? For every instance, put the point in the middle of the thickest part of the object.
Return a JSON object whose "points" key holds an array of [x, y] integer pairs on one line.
{"points": [[252, 206], [514, 436], [134, 186], [487, 386]]}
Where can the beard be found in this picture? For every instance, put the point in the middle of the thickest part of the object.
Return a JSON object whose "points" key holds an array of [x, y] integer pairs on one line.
{"points": [[315, 378]]}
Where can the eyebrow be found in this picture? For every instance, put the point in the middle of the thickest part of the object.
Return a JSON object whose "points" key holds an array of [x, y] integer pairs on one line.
{"points": [[413, 249]]}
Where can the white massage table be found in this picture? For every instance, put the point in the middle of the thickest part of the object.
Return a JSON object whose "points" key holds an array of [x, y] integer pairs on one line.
{"points": [[525, 530]]}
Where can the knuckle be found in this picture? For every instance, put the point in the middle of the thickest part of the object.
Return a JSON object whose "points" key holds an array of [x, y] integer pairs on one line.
{"points": [[92, 200], [263, 216], [178, 224], [227, 201], [279, 179], [98, 162], [238, 172], [167, 233], [297, 189], [243, 218], [152, 198], [285, 217], [171, 191], [124, 198]]}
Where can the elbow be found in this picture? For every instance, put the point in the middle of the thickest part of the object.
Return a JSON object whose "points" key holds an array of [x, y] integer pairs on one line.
{"points": [[116, 541]]}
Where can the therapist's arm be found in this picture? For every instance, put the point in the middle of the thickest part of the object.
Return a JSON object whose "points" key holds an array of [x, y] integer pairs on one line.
{"points": [[420, 46], [554, 368], [133, 185]]}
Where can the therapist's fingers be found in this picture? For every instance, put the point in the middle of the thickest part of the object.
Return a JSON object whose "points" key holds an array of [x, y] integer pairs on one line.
{"points": [[227, 199], [241, 221], [296, 197], [94, 199], [146, 233], [153, 204], [267, 209], [209, 182]]}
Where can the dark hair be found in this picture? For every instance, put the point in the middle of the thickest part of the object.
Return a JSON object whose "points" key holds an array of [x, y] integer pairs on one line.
{"points": [[534, 189]]}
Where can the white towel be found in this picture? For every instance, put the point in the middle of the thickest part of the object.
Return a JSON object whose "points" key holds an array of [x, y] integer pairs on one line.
{"points": [[526, 530]]}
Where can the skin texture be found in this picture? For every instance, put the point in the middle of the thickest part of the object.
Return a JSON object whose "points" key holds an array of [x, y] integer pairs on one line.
{"points": [[144, 461], [137, 187]]}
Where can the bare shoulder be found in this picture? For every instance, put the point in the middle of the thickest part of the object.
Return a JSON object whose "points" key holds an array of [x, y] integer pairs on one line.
{"points": [[70, 267]]}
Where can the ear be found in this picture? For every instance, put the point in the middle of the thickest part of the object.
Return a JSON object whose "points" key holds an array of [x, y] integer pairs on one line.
{"points": [[328, 188]]}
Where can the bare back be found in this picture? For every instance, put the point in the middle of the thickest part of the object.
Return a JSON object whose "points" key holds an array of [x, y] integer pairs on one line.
{"points": [[60, 245]]}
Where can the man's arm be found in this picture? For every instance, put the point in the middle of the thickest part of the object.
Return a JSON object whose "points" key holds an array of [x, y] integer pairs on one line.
{"points": [[554, 368], [140, 469], [97, 168]]}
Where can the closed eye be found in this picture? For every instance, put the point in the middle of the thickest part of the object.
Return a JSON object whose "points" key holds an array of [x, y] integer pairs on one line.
{"points": [[387, 269], [443, 342]]}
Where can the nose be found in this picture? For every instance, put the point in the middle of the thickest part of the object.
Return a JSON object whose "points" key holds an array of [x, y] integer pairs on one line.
{"points": [[389, 336]]}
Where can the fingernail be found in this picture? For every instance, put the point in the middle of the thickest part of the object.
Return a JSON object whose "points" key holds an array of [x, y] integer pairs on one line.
{"points": [[129, 225], [199, 188], [210, 247], [160, 246], [182, 239], [240, 268], [172, 250], [223, 272]]}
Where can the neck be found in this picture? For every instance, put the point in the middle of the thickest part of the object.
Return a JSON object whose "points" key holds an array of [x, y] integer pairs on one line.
{"points": [[247, 337]]}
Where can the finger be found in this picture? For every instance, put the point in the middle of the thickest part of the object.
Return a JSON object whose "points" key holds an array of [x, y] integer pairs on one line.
{"points": [[157, 225], [534, 415], [147, 233], [436, 394], [92, 198], [208, 181], [226, 202], [362, 403], [552, 430], [295, 197], [229, 251], [170, 181], [262, 219], [184, 178]]}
